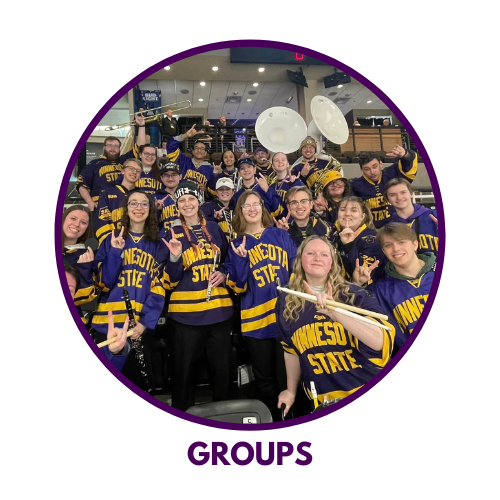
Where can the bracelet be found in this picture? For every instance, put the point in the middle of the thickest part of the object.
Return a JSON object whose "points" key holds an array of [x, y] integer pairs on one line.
{"points": [[141, 125]]}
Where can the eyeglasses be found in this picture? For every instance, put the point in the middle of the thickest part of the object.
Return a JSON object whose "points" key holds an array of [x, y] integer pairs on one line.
{"points": [[302, 202], [136, 170], [255, 206], [169, 176], [199, 149], [111, 146], [135, 204], [149, 155], [337, 184]]}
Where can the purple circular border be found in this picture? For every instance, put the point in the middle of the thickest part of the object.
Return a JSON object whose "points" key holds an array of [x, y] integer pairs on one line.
{"points": [[224, 45]]}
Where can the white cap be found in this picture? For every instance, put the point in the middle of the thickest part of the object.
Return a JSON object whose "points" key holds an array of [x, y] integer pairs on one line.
{"points": [[224, 182]]}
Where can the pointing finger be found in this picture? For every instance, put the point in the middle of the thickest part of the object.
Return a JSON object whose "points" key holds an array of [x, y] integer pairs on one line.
{"points": [[374, 265], [111, 323]]}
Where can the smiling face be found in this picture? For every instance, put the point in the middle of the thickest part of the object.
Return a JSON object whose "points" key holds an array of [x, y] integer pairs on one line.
{"points": [[336, 189], [316, 259], [350, 215], [75, 224], [372, 170], [308, 152], [148, 156], [252, 209], [280, 162], [138, 207], [132, 172], [400, 252], [247, 171], [199, 151], [399, 196], [170, 179], [300, 206], [188, 206], [229, 159], [112, 150], [225, 194], [261, 158]]}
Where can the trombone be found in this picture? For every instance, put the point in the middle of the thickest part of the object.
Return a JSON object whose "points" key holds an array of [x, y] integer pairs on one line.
{"points": [[152, 118]]}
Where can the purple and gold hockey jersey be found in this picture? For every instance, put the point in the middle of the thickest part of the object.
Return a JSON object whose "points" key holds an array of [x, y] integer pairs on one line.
{"points": [[329, 355], [423, 225], [100, 173], [373, 192], [403, 298], [188, 277], [271, 255], [190, 170], [310, 179], [135, 268], [208, 208], [109, 211], [270, 198], [169, 213], [281, 188]]}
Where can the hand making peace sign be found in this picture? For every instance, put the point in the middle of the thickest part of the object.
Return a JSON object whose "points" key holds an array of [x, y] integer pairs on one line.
{"points": [[118, 241], [283, 222]]}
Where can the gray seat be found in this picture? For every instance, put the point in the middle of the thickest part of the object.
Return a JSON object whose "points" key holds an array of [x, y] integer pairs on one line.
{"points": [[238, 411]]}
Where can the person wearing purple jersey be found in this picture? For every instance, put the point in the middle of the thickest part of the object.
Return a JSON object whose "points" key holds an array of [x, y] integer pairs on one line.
{"points": [[304, 224], [220, 210], [170, 175], [308, 168], [109, 207], [104, 171], [336, 352], [200, 306], [370, 186], [405, 289], [356, 238], [423, 220], [253, 181], [258, 257], [261, 160], [149, 181], [195, 169], [281, 180]]}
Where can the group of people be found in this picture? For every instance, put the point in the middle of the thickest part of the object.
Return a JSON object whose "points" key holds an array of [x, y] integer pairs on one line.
{"points": [[204, 240]]}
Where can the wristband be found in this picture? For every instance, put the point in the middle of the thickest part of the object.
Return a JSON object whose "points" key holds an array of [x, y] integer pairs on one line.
{"points": [[141, 125]]}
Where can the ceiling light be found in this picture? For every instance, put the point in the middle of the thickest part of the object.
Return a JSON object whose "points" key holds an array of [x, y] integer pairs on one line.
{"points": [[255, 84], [202, 84], [261, 70], [201, 100], [368, 102], [339, 86], [167, 68], [215, 68], [248, 100]]}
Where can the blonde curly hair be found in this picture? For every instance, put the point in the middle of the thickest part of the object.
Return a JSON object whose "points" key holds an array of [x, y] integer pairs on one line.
{"points": [[295, 305]]}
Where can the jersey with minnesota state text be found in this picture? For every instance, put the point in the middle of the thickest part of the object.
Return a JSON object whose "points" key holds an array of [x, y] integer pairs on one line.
{"points": [[271, 255], [425, 228], [403, 301], [373, 192], [365, 247], [329, 355], [200, 174], [101, 173], [169, 213], [210, 207], [188, 276], [135, 268], [317, 167], [109, 211]]}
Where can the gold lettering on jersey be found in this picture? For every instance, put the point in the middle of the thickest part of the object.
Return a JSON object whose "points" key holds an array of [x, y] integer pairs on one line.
{"points": [[147, 182], [264, 251], [409, 311], [136, 256], [192, 255], [319, 334], [169, 212], [106, 169], [198, 176], [428, 242], [332, 362]]}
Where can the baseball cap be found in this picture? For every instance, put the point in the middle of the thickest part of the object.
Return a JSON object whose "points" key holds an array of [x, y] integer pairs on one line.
{"points": [[224, 182]]}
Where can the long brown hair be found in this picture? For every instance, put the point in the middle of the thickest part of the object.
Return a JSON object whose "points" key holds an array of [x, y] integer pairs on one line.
{"points": [[87, 234], [239, 223], [294, 306], [154, 167], [203, 224], [368, 217], [151, 230]]}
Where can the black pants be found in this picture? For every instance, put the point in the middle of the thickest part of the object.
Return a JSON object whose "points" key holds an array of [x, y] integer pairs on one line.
{"points": [[189, 344], [268, 366]]}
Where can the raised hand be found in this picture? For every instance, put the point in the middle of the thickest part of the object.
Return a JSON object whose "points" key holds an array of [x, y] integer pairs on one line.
{"points": [[433, 218], [160, 203], [119, 333], [320, 203], [140, 120], [174, 245], [305, 169], [217, 168], [118, 241], [283, 222], [397, 152], [245, 155], [362, 274], [88, 256], [219, 214], [262, 182], [240, 250], [347, 235]]}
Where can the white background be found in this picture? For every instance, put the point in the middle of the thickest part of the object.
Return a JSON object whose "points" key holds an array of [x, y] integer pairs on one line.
{"points": [[71, 430]]}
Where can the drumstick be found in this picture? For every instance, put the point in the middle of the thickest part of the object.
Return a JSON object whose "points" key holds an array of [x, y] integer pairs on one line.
{"points": [[333, 303], [110, 341]]}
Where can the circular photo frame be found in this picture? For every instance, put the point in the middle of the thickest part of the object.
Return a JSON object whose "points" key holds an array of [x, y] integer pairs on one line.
{"points": [[266, 54]]}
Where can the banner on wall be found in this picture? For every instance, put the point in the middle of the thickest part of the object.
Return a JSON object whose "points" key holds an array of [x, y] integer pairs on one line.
{"points": [[149, 99]]}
